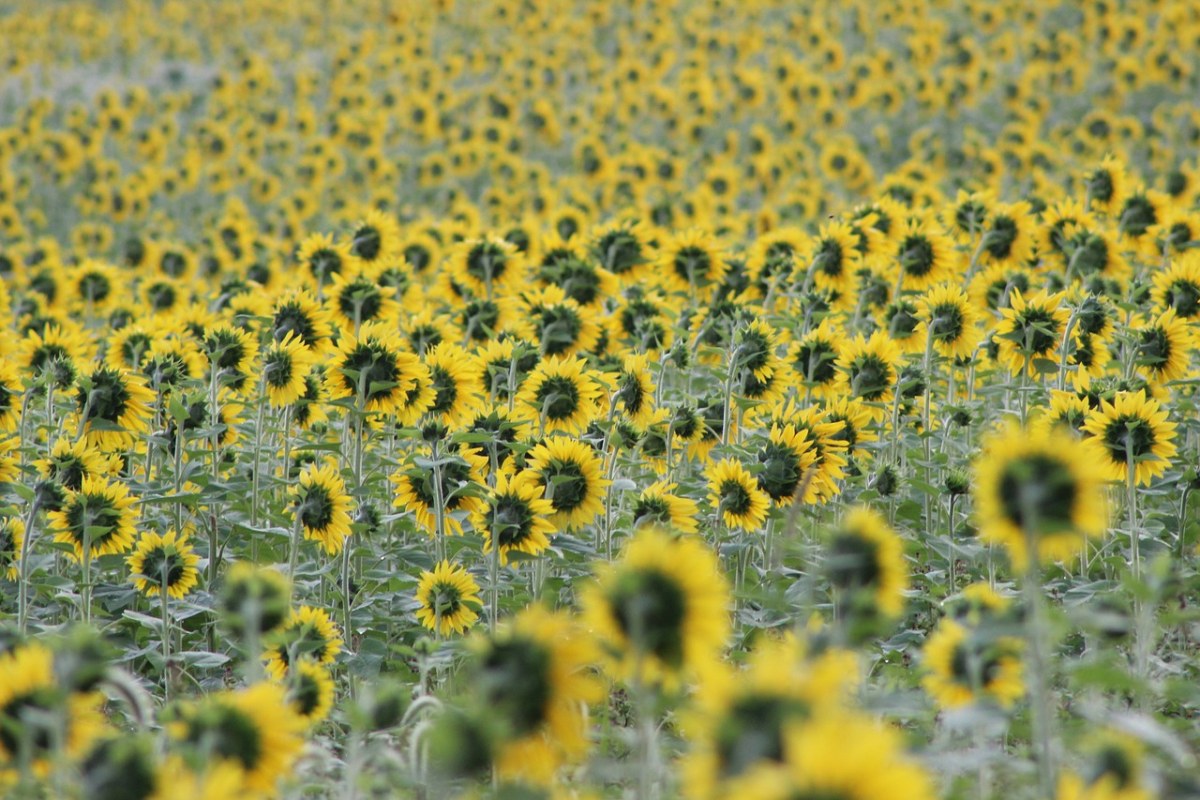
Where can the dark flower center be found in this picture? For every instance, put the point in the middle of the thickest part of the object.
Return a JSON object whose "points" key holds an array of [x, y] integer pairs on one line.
{"points": [[1038, 492], [650, 609]]}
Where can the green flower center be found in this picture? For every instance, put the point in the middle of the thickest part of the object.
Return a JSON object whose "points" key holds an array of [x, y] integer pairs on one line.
{"points": [[650, 608], [1038, 494]]}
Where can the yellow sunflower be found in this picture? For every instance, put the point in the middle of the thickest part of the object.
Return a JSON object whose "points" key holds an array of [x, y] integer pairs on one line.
{"points": [[1030, 332], [734, 493], [322, 506], [570, 473], [1039, 489], [285, 365], [451, 488], [447, 598], [164, 560], [966, 665], [661, 610], [561, 395], [658, 506], [515, 514], [99, 517], [1133, 432], [865, 563], [307, 633]]}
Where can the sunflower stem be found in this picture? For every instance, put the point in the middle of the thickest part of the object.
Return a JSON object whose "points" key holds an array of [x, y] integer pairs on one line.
{"points": [[163, 585], [23, 566], [1041, 706]]}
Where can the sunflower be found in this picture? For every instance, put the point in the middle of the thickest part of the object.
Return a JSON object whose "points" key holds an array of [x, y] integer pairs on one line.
{"points": [[854, 429], [322, 506], [831, 258], [38, 714], [622, 248], [230, 352], [94, 285], [1178, 286], [741, 714], [457, 389], [298, 313], [926, 257], [966, 665], [372, 368], [164, 559], [1106, 186], [1067, 410], [814, 359], [376, 238], [517, 516], [100, 516], [254, 598], [690, 260], [658, 506], [355, 300], [533, 676], [633, 394], [447, 598], [871, 367], [865, 562], [1040, 487], [1133, 431], [285, 364], [452, 487], [254, 729], [12, 538], [561, 326], [114, 405], [561, 395], [1031, 331], [949, 320], [307, 633], [128, 347], [736, 496], [64, 469], [838, 754], [785, 461], [171, 362], [486, 266], [661, 610], [10, 394], [569, 472], [310, 690], [1009, 236], [1164, 347]]}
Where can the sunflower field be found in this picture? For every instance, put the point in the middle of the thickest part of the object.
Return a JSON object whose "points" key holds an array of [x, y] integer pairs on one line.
{"points": [[599, 399]]}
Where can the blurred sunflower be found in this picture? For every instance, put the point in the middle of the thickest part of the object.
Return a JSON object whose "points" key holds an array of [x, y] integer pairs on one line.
{"points": [[660, 610], [1039, 489], [865, 564], [307, 633], [967, 665]]}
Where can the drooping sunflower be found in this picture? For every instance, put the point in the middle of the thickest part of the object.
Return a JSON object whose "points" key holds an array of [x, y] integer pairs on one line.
{"points": [[658, 506], [1031, 331], [307, 633], [1042, 488], [100, 516], [661, 610], [967, 665], [322, 506], [734, 493], [231, 352], [533, 676], [254, 598], [865, 564], [950, 320], [1132, 431], [254, 728], [1164, 347], [569, 472], [838, 754], [447, 598], [114, 406], [871, 367], [372, 368], [164, 560], [516, 516], [451, 489], [286, 363], [561, 395]]}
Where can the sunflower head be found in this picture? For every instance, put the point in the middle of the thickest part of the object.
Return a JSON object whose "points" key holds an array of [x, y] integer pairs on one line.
{"points": [[254, 598], [164, 561], [448, 597], [865, 566]]}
